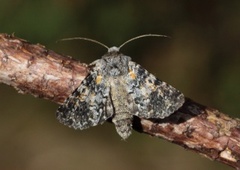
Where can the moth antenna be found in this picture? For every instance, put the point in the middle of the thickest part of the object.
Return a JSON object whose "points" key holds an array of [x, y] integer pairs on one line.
{"points": [[142, 36], [86, 39]]}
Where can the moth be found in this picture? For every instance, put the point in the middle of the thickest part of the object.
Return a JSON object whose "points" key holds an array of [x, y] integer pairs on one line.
{"points": [[118, 88]]}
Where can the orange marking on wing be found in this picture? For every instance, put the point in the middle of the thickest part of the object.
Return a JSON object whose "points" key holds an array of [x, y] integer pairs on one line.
{"points": [[98, 79], [132, 74]]}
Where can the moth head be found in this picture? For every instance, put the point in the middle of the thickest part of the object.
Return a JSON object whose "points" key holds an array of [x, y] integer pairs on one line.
{"points": [[113, 49]]}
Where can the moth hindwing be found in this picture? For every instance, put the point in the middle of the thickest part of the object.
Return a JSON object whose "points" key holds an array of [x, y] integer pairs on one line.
{"points": [[119, 88]]}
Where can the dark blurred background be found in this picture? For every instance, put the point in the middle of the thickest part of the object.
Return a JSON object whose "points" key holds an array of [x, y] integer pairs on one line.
{"points": [[201, 59]]}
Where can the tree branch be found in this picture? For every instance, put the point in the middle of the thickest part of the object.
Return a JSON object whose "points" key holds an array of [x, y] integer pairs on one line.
{"points": [[35, 70], [43, 73]]}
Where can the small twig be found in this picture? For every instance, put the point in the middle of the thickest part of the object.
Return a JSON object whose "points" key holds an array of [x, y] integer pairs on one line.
{"points": [[43, 73]]}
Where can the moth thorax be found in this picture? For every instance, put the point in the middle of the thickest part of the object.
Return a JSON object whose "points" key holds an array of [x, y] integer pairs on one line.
{"points": [[116, 65]]}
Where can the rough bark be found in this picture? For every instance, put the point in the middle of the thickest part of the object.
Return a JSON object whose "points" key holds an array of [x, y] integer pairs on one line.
{"points": [[43, 73]]}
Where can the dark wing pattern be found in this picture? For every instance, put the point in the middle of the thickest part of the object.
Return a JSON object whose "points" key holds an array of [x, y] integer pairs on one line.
{"points": [[89, 105], [152, 97]]}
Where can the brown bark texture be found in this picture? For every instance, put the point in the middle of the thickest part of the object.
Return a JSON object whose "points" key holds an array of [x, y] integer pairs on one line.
{"points": [[33, 69]]}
